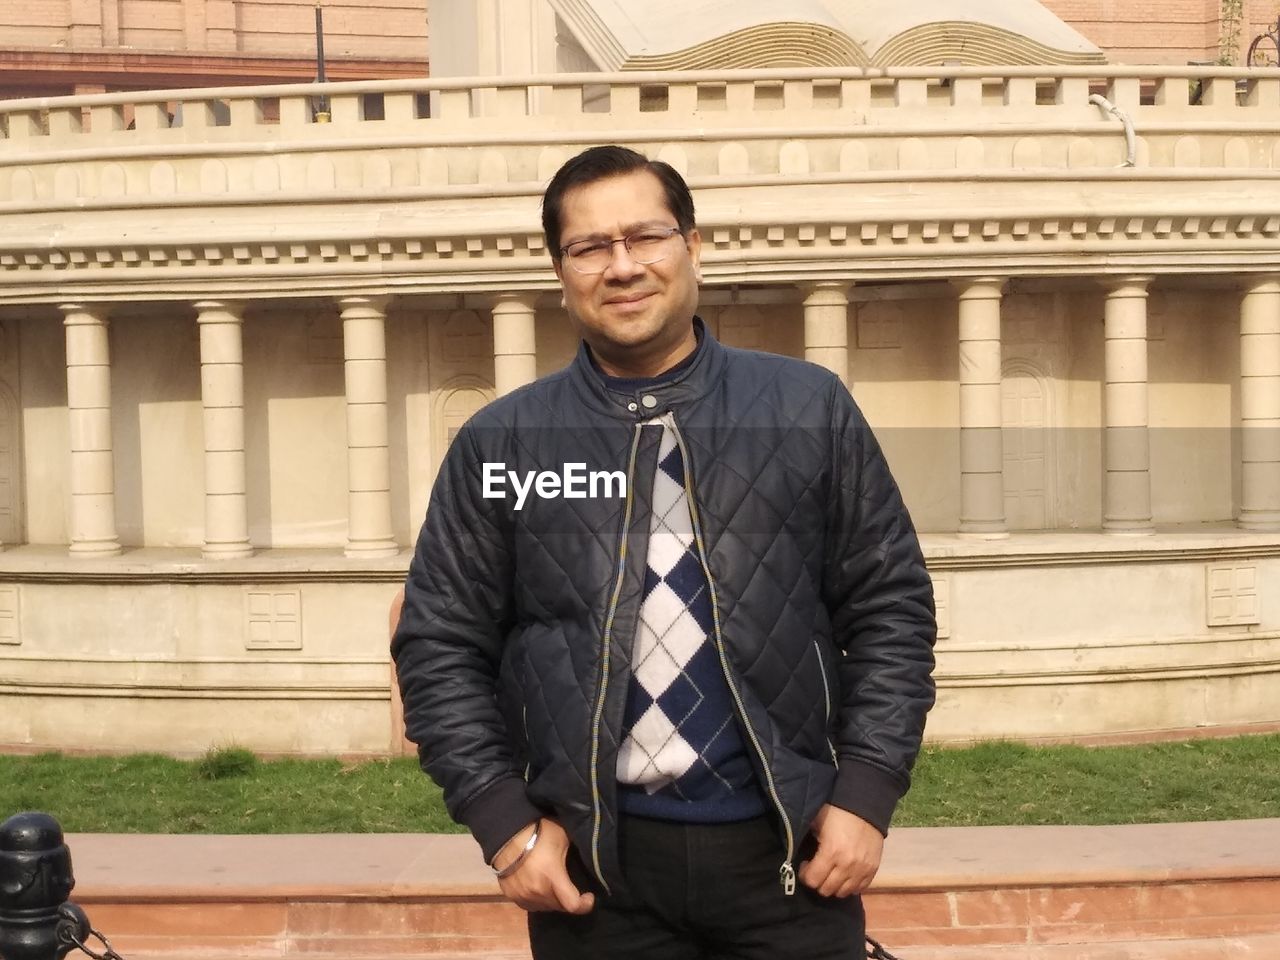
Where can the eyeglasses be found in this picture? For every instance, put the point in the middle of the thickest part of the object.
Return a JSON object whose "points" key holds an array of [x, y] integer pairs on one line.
{"points": [[646, 246]]}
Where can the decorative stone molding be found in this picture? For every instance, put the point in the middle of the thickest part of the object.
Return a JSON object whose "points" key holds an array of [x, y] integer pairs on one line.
{"points": [[1231, 594], [256, 675], [1110, 660], [273, 619], [10, 615], [895, 248], [1076, 550], [942, 604]]}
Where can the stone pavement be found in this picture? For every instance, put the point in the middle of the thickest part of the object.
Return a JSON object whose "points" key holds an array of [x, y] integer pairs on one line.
{"points": [[1208, 891]]}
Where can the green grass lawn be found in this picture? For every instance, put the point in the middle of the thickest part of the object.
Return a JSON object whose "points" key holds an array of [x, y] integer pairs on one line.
{"points": [[231, 791], [1008, 783]]}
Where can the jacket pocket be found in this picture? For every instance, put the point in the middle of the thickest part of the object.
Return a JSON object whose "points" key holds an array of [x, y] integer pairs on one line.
{"points": [[827, 699]]}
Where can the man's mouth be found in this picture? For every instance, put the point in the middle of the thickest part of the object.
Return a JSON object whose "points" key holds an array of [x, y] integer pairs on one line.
{"points": [[629, 298]]}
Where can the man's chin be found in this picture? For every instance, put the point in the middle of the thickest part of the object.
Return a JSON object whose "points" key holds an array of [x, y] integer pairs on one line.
{"points": [[631, 330]]}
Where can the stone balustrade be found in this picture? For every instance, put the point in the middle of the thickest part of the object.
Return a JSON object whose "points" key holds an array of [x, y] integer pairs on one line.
{"points": [[711, 125], [514, 108]]}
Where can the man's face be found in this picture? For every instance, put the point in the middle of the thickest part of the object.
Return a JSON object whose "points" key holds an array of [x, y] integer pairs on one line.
{"points": [[631, 310]]}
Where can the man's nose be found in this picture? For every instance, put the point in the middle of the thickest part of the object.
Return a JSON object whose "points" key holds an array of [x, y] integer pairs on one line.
{"points": [[622, 266]]}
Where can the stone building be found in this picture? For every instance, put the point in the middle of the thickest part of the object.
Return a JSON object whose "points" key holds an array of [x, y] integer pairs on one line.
{"points": [[64, 47], [235, 341]]}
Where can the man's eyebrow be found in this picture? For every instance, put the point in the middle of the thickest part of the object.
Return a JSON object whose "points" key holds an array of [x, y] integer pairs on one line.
{"points": [[627, 229]]}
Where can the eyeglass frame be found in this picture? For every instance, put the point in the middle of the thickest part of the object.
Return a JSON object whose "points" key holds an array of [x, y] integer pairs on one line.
{"points": [[626, 241]]}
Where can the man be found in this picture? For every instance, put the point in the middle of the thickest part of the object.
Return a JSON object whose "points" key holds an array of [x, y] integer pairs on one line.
{"points": [[667, 637]]}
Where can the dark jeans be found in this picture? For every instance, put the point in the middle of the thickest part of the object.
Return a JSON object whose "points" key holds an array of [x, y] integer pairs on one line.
{"points": [[701, 892]]}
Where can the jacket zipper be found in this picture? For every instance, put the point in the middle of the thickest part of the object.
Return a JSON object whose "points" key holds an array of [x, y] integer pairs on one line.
{"points": [[826, 697], [524, 722], [786, 872], [604, 664]]}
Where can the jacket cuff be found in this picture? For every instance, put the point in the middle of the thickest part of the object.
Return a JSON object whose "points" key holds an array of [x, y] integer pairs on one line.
{"points": [[868, 792], [497, 814]]}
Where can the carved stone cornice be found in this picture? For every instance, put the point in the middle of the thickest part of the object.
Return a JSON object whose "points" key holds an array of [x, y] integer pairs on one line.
{"points": [[891, 247]]}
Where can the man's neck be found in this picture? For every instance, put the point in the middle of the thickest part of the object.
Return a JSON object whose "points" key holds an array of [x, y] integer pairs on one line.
{"points": [[632, 367]]}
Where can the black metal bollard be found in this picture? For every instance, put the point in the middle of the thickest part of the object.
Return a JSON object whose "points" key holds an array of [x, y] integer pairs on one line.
{"points": [[36, 921]]}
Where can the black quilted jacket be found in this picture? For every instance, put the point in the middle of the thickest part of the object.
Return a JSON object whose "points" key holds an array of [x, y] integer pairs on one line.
{"points": [[512, 648]]}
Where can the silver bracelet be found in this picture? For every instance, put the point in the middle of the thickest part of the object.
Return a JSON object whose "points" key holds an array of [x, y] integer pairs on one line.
{"points": [[514, 865]]}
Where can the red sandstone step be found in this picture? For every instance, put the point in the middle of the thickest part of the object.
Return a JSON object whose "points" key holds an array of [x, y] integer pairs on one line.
{"points": [[1263, 947], [1266, 947], [1162, 892]]}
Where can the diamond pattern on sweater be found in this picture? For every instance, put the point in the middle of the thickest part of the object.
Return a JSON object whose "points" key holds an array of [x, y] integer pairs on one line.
{"points": [[680, 736]]}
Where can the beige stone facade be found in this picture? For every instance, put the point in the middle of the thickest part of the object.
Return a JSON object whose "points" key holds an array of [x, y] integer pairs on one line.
{"points": [[236, 343]]}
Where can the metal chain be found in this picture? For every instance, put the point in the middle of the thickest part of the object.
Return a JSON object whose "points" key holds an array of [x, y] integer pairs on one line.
{"points": [[107, 953], [877, 952]]}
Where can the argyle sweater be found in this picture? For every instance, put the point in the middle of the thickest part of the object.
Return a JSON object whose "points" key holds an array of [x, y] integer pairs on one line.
{"points": [[683, 756]]}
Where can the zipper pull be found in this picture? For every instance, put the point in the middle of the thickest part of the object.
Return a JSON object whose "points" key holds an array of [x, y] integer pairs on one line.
{"points": [[788, 874]]}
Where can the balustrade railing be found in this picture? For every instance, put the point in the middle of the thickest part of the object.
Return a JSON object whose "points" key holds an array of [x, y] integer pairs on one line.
{"points": [[236, 144], [516, 107]]}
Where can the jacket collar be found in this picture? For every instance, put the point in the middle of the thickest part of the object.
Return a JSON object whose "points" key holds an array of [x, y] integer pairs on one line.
{"points": [[694, 381]]}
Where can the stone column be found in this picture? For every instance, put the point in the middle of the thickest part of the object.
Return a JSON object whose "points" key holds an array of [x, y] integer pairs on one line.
{"points": [[93, 498], [514, 347], [1260, 406], [981, 414], [1126, 495], [226, 517], [826, 326], [364, 340]]}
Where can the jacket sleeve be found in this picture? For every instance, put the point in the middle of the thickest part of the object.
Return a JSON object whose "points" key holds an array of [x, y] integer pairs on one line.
{"points": [[880, 600], [448, 646]]}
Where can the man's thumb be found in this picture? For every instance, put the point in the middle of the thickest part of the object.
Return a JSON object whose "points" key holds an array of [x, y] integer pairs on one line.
{"points": [[573, 900]]}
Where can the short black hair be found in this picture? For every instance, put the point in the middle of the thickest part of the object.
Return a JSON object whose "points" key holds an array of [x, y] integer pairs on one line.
{"points": [[600, 163]]}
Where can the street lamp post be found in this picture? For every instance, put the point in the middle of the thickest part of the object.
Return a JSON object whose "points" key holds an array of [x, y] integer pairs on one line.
{"points": [[322, 114]]}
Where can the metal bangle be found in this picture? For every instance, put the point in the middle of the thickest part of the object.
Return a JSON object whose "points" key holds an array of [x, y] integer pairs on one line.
{"points": [[514, 865]]}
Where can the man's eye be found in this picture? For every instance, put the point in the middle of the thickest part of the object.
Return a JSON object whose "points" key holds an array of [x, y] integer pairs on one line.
{"points": [[647, 239], [588, 249]]}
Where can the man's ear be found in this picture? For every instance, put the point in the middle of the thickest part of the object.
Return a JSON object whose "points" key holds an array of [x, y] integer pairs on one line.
{"points": [[694, 243], [558, 266]]}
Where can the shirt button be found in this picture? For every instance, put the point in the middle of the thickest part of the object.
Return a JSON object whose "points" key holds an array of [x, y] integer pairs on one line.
{"points": [[632, 406], [649, 401]]}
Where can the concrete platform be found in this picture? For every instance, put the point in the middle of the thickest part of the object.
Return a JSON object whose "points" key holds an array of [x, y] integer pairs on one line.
{"points": [[1205, 891]]}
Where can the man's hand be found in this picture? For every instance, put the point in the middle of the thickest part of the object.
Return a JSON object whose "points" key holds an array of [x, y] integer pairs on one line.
{"points": [[848, 854], [541, 882]]}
